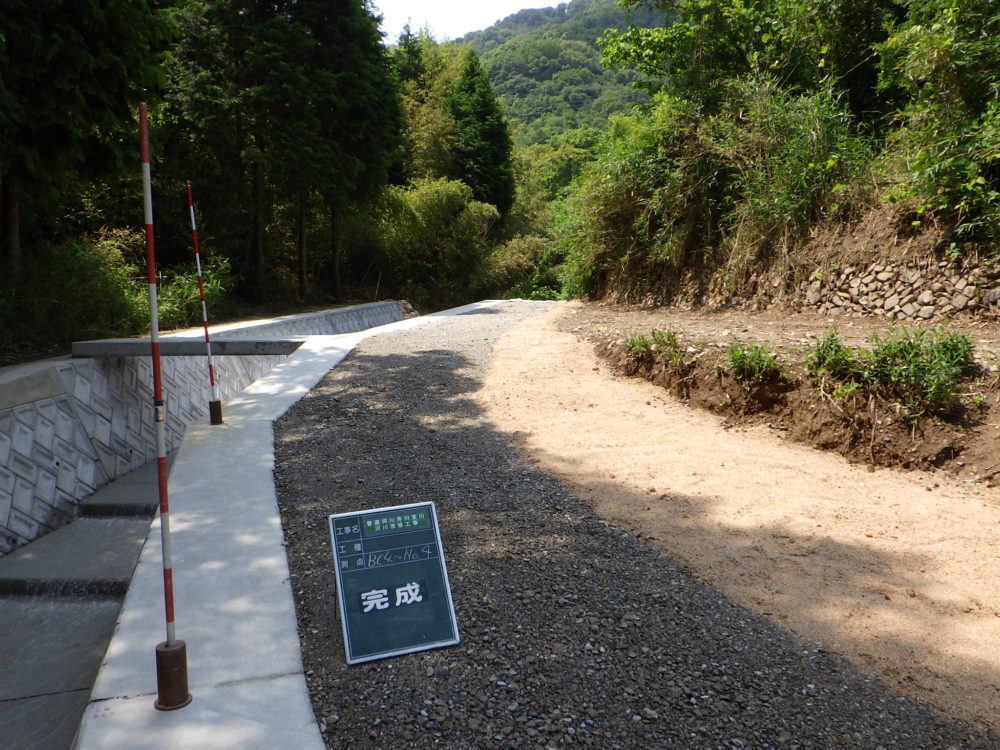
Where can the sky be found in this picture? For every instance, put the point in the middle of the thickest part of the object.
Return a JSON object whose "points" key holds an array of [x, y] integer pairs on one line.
{"points": [[448, 19]]}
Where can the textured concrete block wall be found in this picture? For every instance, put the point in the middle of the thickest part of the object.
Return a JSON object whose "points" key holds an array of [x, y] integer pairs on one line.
{"points": [[326, 322], [69, 426]]}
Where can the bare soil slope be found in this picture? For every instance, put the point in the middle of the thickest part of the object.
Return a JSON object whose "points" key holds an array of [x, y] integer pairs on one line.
{"points": [[897, 570]]}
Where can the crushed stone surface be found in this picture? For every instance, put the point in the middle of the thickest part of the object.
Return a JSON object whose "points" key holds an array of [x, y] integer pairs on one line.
{"points": [[575, 632]]}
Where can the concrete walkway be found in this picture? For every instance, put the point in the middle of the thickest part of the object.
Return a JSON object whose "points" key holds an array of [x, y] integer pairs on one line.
{"points": [[234, 605]]}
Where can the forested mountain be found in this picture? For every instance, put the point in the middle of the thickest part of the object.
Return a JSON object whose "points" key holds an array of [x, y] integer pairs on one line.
{"points": [[545, 65], [329, 163]]}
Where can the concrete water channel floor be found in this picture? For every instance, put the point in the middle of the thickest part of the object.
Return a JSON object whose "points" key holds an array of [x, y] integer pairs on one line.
{"points": [[80, 618], [59, 602]]}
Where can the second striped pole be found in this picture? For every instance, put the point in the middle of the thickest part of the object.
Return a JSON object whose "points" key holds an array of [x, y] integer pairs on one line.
{"points": [[215, 405]]}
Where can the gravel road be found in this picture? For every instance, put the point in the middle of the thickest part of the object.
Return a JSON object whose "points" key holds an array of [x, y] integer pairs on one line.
{"points": [[574, 632]]}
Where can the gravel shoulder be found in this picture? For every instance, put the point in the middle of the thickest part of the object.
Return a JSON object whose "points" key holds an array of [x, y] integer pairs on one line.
{"points": [[576, 630]]}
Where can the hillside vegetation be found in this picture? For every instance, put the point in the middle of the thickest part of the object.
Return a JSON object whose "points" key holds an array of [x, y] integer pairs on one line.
{"points": [[774, 119]]}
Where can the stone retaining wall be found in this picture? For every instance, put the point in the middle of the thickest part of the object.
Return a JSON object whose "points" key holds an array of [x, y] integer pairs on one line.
{"points": [[67, 426], [916, 291]]}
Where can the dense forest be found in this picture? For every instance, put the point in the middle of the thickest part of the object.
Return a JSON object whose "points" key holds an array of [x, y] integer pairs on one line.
{"points": [[592, 148], [326, 166]]}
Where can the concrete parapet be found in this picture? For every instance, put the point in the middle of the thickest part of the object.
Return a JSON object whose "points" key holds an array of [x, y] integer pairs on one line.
{"points": [[227, 347], [325, 322]]}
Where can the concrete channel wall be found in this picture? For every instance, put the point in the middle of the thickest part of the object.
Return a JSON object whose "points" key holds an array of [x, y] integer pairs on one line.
{"points": [[70, 425]]}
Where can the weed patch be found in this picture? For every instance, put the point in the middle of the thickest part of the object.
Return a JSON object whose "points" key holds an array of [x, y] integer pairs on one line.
{"points": [[637, 346], [752, 363], [919, 371], [667, 348]]}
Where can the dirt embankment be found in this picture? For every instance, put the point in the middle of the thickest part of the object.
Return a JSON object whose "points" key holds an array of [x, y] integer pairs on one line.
{"points": [[895, 569], [862, 427]]}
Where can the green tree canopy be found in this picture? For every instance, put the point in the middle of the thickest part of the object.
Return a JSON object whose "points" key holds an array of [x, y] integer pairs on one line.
{"points": [[427, 71], [290, 105], [482, 141], [70, 74], [797, 43]]}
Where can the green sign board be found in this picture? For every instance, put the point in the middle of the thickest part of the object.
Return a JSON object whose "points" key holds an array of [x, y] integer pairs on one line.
{"points": [[392, 582]]}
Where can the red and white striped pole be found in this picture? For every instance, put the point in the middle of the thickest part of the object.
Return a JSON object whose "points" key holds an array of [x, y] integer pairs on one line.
{"points": [[171, 655], [215, 405]]}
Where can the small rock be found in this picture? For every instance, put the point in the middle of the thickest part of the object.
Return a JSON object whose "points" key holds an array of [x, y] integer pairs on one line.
{"points": [[926, 312]]}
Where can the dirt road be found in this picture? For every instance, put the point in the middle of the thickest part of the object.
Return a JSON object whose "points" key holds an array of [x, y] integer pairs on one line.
{"points": [[896, 570]]}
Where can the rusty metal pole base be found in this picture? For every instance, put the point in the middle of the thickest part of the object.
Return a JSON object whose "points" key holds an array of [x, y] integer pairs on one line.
{"points": [[171, 676], [215, 412]]}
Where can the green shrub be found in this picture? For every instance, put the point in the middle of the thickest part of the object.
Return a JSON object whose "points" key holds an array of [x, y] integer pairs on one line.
{"points": [[787, 155], [526, 267], [178, 296], [80, 290], [751, 362], [667, 348], [637, 345], [571, 231], [944, 158], [433, 239], [830, 357], [919, 369]]}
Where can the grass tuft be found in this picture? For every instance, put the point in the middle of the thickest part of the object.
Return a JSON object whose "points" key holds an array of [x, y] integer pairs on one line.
{"points": [[920, 370], [667, 348], [751, 362], [637, 346]]}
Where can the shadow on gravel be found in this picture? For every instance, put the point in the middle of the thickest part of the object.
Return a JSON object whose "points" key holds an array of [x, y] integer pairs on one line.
{"points": [[574, 632], [896, 588]]}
